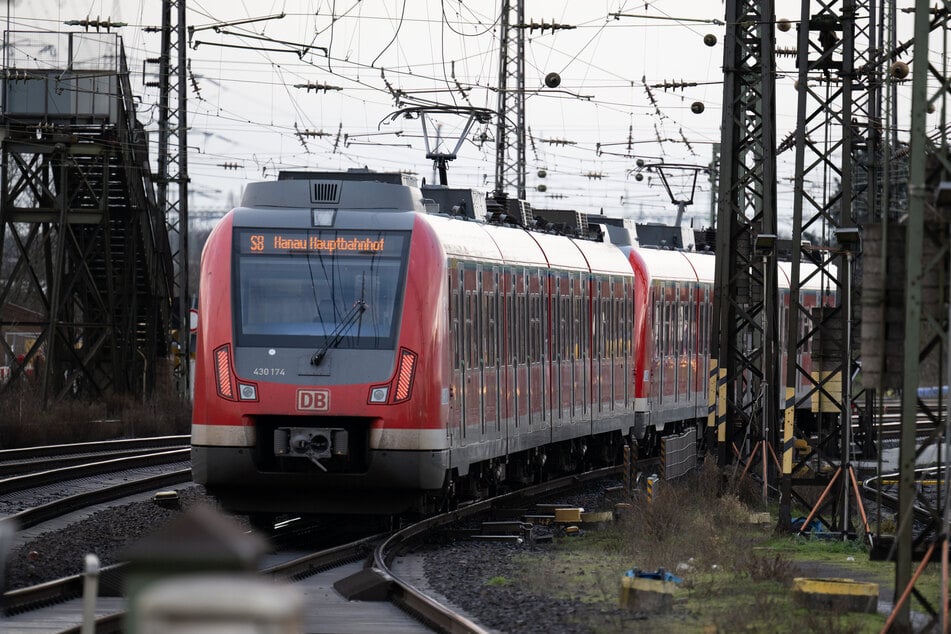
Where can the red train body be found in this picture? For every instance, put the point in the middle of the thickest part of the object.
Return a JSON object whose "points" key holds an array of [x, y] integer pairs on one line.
{"points": [[359, 352]]}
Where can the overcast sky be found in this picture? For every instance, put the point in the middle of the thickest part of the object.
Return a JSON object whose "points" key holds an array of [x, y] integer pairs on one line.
{"points": [[245, 112]]}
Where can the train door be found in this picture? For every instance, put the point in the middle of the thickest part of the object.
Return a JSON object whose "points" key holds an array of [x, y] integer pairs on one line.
{"points": [[669, 325], [603, 349], [537, 365], [686, 345], [472, 389], [658, 330], [584, 347], [519, 332], [456, 321], [700, 326], [623, 327], [507, 389], [490, 357], [577, 309], [677, 342], [559, 349]]}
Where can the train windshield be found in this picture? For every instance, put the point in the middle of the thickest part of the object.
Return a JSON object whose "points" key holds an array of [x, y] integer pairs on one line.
{"points": [[299, 287]]}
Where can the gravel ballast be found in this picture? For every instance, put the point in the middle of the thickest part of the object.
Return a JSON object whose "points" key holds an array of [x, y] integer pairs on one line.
{"points": [[458, 571]]}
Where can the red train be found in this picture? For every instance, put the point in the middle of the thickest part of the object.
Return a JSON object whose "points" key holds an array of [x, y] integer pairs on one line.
{"points": [[368, 346]]}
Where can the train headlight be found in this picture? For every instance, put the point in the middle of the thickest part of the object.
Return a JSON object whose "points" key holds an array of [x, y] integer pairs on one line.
{"points": [[405, 375], [379, 394], [224, 378], [248, 392]]}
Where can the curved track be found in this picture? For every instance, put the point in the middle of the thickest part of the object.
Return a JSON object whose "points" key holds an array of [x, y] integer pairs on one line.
{"points": [[397, 606]]}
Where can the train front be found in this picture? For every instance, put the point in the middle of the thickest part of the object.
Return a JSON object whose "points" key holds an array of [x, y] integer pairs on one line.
{"points": [[305, 369]]}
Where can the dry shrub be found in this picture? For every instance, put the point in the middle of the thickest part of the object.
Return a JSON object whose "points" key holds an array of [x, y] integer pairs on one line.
{"points": [[25, 420], [766, 567], [689, 520]]}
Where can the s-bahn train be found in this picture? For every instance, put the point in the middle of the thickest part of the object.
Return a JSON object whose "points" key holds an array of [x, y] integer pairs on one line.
{"points": [[369, 346]]}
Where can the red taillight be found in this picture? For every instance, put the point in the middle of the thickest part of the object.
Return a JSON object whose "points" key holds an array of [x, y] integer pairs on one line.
{"points": [[404, 375], [224, 377]]}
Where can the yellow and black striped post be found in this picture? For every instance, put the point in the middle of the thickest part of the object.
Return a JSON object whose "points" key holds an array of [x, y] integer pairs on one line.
{"points": [[711, 399], [651, 482], [788, 440], [721, 409], [628, 470]]}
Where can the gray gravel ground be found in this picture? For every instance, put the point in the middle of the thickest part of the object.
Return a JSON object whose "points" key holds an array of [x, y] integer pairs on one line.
{"points": [[459, 571], [106, 533]]}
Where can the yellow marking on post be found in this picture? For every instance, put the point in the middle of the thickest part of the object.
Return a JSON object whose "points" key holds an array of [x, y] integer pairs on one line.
{"points": [[721, 407], [712, 393], [788, 422]]}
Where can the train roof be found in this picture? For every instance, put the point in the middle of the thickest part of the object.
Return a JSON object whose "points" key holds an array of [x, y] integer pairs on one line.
{"points": [[513, 245], [338, 190], [679, 266]]}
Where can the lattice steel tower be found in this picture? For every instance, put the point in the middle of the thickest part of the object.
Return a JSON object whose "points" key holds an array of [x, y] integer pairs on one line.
{"points": [[173, 170], [743, 360], [510, 129]]}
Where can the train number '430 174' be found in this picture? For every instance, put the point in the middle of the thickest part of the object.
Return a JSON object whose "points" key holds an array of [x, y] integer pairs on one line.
{"points": [[269, 372]]}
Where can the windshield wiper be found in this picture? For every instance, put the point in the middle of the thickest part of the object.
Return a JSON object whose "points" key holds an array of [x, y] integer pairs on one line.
{"points": [[348, 320]]}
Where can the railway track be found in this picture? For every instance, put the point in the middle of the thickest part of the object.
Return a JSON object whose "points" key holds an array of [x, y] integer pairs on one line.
{"points": [[32, 459], [365, 563], [29, 499]]}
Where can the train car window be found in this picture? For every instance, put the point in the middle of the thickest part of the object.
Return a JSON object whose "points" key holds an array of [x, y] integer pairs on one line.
{"points": [[299, 287], [467, 321], [476, 332], [454, 308], [657, 321], [685, 323], [668, 327], [704, 329], [509, 319], [554, 283], [535, 325], [491, 354], [572, 324]]}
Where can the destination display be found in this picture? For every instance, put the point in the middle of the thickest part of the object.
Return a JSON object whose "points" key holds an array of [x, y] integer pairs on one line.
{"points": [[272, 241]]}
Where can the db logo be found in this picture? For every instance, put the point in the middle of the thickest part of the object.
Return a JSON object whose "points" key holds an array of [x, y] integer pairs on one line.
{"points": [[313, 400]]}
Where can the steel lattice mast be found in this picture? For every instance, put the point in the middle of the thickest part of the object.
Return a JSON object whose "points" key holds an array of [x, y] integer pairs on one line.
{"points": [[744, 363], [925, 296], [831, 142], [510, 129], [173, 169]]}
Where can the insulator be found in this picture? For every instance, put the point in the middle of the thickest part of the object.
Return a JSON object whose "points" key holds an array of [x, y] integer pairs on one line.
{"points": [[899, 70]]}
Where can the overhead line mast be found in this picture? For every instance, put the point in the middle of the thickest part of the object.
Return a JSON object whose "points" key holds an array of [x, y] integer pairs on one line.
{"points": [[510, 128], [173, 169]]}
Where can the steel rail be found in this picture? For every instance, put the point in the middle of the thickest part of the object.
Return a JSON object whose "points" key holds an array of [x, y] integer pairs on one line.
{"points": [[45, 451], [431, 612], [51, 476], [383, 547], [57, 508]]}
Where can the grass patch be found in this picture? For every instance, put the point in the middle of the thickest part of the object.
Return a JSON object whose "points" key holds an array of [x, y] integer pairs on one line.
{"points": [[737, 576]]}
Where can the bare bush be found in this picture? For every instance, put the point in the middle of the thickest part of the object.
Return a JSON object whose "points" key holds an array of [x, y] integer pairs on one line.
{"points": [[26, 420]]}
